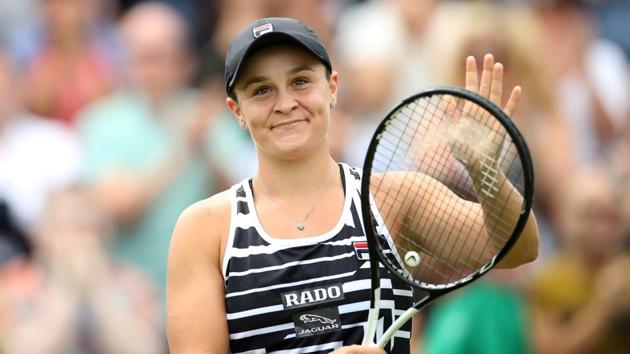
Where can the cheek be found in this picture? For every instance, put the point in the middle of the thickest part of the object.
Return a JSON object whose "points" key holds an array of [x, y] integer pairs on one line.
{"points": [[318, 103], [254, 114], [256, 118]]}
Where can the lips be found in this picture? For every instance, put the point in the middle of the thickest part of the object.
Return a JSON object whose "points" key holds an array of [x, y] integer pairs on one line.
{"points": [[286, 123]]}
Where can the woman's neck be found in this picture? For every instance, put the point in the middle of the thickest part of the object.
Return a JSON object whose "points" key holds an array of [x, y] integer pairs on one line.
{"points": [[296, 178]]}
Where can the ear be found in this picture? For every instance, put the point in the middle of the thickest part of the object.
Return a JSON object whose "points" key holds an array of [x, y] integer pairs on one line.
{"points": [[333, 85], [236, 111]]}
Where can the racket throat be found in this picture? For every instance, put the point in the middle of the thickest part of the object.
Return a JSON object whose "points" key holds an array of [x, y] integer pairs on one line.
{"points": [[406, 316], [372, 320]]}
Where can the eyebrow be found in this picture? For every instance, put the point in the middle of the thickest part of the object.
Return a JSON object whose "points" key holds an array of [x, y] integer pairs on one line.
{"points": [[257, 79], [300, 68]]}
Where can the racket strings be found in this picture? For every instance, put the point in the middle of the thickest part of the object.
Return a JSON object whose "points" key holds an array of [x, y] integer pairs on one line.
{"points": [[434, 165], [419, 139], [488, 183]]}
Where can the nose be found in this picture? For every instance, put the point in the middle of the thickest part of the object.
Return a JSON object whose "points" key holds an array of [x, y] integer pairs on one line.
{"points": [[285, 102]]}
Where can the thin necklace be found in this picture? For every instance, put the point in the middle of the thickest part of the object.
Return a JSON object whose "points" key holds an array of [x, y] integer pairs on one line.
{"points": [[299, 224]]}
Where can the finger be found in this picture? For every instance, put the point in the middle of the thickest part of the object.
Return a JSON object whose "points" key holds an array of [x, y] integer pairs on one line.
{"points": [[486, 75], [515, 96], [471, 74], [451, 108], [496, 89]]}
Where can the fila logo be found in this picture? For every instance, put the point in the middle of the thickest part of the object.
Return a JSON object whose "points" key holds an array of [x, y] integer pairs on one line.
{"points": [[262, 29], [312, 296], [361, 250]]}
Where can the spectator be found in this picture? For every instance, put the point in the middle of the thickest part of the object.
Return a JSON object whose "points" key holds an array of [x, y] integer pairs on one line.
{"points": [[385, 50], [581, 298], [36, 156], [145, 144], [590, 76], [73, 62], [231, 149], [72, 297]]}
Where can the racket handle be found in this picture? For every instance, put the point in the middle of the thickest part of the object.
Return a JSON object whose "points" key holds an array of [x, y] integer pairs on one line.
{"points": [[372, 320], [406, 316]]}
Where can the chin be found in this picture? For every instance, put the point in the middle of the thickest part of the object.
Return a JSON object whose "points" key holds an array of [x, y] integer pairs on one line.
{"points": [[293, 142], [292, 153], [294, 150]]}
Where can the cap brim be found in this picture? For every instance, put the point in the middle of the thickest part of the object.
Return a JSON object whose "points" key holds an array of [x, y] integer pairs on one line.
{"points": [[266, 40]]}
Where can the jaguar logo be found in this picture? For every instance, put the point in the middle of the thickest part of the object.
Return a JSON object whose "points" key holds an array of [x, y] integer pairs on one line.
{"points": [[307, 318], [317, 321]]}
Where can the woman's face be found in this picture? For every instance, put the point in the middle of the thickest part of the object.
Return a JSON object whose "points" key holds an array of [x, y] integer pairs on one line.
{"points": [[284, 96]]}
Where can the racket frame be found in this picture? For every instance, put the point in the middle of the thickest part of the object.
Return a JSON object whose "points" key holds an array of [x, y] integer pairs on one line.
{"points": [[374, 248]]}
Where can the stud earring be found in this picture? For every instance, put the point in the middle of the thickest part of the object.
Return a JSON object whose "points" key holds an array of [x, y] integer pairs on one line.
{"points": [[242, 124]]}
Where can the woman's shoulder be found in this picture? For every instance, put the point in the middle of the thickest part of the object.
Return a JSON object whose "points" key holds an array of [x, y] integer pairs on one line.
{"points": [[211, 211], [203, 226]]}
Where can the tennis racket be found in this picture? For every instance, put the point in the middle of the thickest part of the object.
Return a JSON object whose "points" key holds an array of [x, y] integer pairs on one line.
{"points": [[446, 191]]}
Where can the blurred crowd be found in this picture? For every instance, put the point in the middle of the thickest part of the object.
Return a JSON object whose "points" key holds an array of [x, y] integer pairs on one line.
{"points": [[113, 120]]}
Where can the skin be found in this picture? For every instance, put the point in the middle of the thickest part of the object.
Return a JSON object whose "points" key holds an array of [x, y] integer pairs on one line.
{"points": [[434, 215], [287, 112], [284, 98]]}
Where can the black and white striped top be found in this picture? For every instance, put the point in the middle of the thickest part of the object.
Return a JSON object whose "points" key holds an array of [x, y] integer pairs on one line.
{"points": [[304, 295]]}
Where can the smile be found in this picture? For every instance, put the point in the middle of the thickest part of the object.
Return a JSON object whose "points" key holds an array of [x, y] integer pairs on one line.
{"points": [[287, 124]]}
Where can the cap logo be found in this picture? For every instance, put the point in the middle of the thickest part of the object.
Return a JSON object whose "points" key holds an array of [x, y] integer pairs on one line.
{"points": [[262, 29]]}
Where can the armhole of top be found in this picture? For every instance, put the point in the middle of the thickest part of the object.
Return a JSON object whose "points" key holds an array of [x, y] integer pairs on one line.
{"points": [[343, 179], [231, 232]]}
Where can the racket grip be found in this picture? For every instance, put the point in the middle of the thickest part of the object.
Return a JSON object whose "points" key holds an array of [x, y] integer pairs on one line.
{"points": [[406, 316], [372, 320]]}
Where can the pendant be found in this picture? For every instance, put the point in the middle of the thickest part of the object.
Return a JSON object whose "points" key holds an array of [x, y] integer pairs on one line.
{"points": [[300, 227]]}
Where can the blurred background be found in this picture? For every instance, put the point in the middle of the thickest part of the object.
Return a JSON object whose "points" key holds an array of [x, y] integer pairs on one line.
{"points": [[113, 120]]}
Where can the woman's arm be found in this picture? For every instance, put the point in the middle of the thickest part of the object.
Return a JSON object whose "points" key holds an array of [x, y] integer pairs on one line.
{"points": [[195, 303], [434, 222], [437, 224], [490, 85]]}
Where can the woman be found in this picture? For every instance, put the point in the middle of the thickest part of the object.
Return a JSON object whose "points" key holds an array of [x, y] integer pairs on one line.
{"points": [[274, 263]]}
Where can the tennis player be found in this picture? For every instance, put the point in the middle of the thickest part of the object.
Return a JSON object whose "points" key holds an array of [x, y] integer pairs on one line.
{"points": [[278, 263]]}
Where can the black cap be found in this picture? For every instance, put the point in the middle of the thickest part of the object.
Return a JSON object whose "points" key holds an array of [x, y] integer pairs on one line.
{"points": [[265, 32]]}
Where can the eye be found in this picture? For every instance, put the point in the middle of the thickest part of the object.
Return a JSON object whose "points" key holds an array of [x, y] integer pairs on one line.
{"points": [[300, 82], [261, 90]]}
